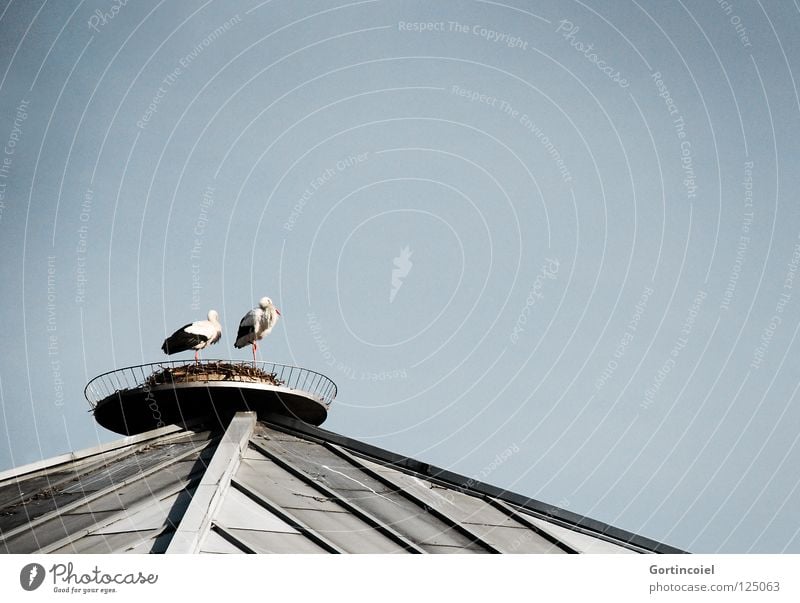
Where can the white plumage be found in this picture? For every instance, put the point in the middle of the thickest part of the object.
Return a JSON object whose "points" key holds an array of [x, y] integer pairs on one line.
{"points": [[194, 336], [257, 323]]}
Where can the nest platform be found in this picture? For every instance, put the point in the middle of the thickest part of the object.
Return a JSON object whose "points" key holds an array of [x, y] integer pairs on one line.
{"points": [[143, 397]]}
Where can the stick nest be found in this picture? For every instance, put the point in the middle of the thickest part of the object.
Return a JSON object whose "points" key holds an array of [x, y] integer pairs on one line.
{"points": [[211, 371]]}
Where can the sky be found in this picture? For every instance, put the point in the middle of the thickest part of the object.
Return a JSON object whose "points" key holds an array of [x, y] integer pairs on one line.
{"points": [[550, 246]]}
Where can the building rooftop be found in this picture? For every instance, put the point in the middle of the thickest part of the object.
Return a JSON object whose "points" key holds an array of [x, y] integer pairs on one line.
{"points": [[264, 482]]}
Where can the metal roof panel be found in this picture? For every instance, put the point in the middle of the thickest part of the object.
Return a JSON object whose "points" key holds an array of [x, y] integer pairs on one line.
{"points": [[347, 531], [153, 516], [276, 542], [284, 489], [77, 458], [239, 511], [582, 542], [107, 543], [351, 483], [214, 543], [514, 539], [60, 527], [293, 488]]}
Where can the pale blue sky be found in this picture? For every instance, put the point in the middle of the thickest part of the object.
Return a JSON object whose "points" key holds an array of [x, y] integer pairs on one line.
{"points": [[599, 307]]}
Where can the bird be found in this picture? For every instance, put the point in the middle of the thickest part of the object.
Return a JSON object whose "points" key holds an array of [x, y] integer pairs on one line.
{"points": [[194, 336], [257, 323]]}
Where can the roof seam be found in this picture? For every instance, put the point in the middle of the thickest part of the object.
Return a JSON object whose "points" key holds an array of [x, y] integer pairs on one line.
{"points": [[584, 531], [499, 504], [97, 494], [561, 517], [348, 505], [127, 512], [238, 543], [416, 500], [82, 470], [290, 519], [37, 467]]}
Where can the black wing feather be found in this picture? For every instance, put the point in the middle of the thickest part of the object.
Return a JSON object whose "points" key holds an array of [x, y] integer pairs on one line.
{"points": [[247, 331], [181, 340]]}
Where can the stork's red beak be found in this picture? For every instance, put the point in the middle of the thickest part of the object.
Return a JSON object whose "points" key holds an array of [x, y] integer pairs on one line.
{"points": [[278, 311]]}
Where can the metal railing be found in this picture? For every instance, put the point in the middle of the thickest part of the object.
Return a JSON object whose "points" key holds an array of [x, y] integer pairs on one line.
{"points": [[311, 383]]}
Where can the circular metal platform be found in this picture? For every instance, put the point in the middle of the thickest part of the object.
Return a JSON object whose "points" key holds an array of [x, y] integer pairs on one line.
{"points": [[143, 397]]}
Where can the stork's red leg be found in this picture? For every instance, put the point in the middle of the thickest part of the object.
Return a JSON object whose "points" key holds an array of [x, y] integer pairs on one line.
{"points": [[255, 348], [197, 356]]}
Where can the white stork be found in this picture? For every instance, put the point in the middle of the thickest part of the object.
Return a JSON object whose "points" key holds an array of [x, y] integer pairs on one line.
{"points": [[194, 336], [257, 323]]}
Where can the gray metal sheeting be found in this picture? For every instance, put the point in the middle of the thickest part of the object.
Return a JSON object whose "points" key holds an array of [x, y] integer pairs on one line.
{"points": [[109, 543], [240, 512], [290, 493], [124, 499], [266, 542], [216, 544]]}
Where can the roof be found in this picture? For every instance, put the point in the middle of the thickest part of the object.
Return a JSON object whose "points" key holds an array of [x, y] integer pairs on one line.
{"points": [[276, 485]]}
